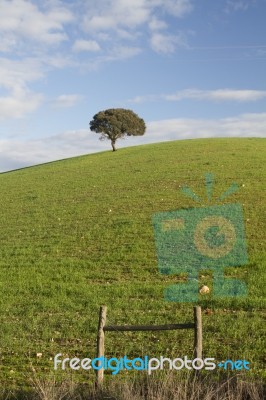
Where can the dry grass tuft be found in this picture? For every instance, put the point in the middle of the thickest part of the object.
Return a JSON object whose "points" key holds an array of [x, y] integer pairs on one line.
{"points": [[147, 387]]}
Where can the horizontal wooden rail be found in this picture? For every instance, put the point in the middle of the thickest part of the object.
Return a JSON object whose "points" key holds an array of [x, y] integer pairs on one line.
{"points": [[136, 328]]}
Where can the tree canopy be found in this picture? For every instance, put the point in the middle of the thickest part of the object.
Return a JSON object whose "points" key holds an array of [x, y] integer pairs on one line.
{"points": [[116, 123]]}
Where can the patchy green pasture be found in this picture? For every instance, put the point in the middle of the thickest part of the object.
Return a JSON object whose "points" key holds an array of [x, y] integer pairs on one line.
{"points": [[78, 233]]}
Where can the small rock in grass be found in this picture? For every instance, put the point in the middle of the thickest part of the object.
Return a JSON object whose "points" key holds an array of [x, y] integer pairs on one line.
{"points": [[204, 289]]}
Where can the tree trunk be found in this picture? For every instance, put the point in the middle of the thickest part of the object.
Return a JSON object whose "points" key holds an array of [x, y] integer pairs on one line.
{"points": [[113, 145]]}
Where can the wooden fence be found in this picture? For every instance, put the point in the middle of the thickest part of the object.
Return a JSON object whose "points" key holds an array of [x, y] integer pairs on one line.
{"points": [[102, 328]]}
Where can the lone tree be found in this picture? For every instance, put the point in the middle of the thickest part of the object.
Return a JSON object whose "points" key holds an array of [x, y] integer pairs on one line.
{"points": [[116, 123]]}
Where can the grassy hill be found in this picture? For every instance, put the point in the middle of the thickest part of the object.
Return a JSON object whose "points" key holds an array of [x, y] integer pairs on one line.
{"points": [[78, 233]]}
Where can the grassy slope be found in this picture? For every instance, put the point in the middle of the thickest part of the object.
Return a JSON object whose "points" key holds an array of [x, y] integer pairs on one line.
{"points": [[77, 233]]}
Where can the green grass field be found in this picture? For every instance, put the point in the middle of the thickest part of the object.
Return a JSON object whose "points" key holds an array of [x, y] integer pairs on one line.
{"points": [[78, 233]]}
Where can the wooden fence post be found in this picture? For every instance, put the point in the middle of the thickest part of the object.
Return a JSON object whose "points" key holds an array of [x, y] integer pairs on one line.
{"points": [[100, 344], [197, 333], [197, 326]]}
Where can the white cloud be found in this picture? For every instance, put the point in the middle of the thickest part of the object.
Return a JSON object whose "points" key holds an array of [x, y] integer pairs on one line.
{"points": [[67, 100], [29, 32], [162, 43], [238, 5], [17, 153], [238, 95], [86, 45], [14, 77], [177, 8], [123, 52], [157, 24], [145, 98], [116, 53], [126, 18], [24, 19], [17, 105], [16, 73], [116, 13], [245, 125], [218, 95], [165, 44], [27, 23], [36, 34], [7, 44], [125, 34]]}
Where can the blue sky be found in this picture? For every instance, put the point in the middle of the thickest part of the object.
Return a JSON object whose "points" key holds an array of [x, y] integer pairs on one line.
{"points": [[189, 68]]}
